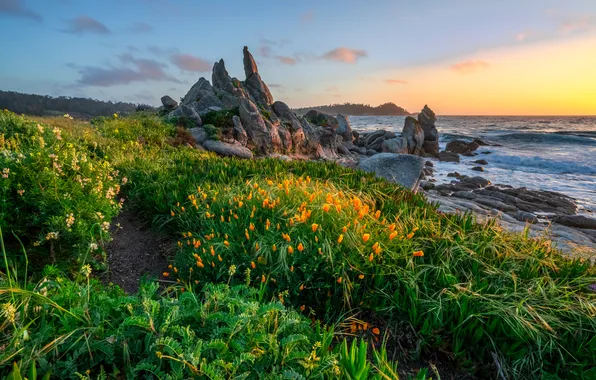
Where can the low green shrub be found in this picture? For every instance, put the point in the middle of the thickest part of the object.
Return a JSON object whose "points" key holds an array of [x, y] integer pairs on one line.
{"points": [[57, 195], [220, 119]]}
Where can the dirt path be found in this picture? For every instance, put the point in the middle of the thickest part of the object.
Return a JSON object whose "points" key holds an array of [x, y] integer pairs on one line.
{"points": [[134, 252]]}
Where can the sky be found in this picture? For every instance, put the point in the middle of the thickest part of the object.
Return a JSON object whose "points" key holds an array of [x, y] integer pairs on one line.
{"points": [[461, 57]]}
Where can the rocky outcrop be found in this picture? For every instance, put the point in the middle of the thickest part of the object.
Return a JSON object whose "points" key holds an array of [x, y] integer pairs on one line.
{"points": [[396, 145], [461, 147], [227, 150], [427, 119], [168, 102], [413, 134], [199, 134], [448, 156], [255, 85], [259, 133], [403, 169]]}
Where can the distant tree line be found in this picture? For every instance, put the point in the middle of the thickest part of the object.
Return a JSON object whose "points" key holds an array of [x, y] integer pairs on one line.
{"points": [[44, 105], [357, 109]]}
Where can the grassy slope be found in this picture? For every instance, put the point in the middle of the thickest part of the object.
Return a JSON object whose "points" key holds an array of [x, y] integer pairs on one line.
{"points": [[327, 241]]}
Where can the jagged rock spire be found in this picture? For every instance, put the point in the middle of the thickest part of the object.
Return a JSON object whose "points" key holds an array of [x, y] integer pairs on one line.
{"points": [[250, 66]]}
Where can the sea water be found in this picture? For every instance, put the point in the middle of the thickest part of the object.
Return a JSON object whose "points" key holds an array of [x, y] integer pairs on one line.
{"points": [[542, 153]]}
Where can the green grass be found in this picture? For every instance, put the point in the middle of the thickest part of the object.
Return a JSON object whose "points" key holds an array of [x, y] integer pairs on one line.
{"points": [[327, 242]]}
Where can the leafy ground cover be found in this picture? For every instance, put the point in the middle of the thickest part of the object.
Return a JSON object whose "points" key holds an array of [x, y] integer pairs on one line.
{"points": [[312, 241]]}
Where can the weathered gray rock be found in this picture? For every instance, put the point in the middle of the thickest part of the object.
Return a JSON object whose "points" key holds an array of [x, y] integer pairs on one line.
{"points": [[322, 119], [397, 145], [478, 168], [227, 150], [376, 144], [413, 134], [427, 119], [577, 221], [240, 134], [255, 127], [370, 137], [168, 102], [187, 112], [344, 129], [481, 162], [527, 217], [198, 134], [220, 77], [448, 156], [371, 152], [403, 169], [430, 148]]}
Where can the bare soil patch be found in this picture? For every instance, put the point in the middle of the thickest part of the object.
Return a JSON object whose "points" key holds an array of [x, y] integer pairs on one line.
{"points": [[136, 252]]}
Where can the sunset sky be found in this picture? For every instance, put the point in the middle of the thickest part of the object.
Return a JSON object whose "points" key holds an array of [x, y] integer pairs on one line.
{"points": [[521, 57]]}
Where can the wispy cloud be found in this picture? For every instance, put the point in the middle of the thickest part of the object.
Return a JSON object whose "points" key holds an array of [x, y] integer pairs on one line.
{"points": [[307, 16], [17, 8], [265, 51], [140, 27], [521, 36], [395, 81], [470, 66], [577, 24], [332, 89], [187, 62], [286, 60], [131, 70], [85, 24], [344, 55]]}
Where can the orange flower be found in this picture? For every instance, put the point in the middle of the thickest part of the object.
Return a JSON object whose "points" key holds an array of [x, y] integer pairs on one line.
{"points": [[226, 243], [365, 237], [376, 331], [251, 227], [339, 280], [301, 287], [213, 264], [392, 235], [410, 235], [326, 207], [175, 270], [172, 213], [219, 258], [340, 239], [200, 264], [361, 276], [253, 265], [300, 247], [344, 229], [371, 257], [263, 278], [314, 227], [166, 274], [292, 268], [170, 266], [316, 239], [273, 248], [290, 249], [257, 246], [377, 214], [418, 254], [302, 308]]}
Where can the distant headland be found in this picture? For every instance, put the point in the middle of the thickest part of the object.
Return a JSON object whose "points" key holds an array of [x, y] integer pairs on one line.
{"points": [[353, 109]]}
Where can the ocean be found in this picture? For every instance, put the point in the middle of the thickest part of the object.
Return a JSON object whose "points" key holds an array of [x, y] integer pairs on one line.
{"points": [[543, 153]]}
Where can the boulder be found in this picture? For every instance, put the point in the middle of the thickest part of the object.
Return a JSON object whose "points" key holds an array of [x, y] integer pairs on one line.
{"points": [[403, 169], [429, 164], [186, 112], [322, 119], [168, 102], [461, 147], [227, 150], [430, 148], [220, 77], [481, 162], [413, 134], [376, 144], [478, 168], [198, 134], [344, 129], [448, 156], [397, 145], [370, 137]]}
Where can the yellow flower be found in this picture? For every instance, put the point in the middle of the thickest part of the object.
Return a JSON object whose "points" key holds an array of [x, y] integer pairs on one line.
{"points": [[340, 239], [314, 227], [365, 237], [292, 268], [361, 276], [219, 258], [392, 235], [300, 247], [326, 207], [226, 243]]}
